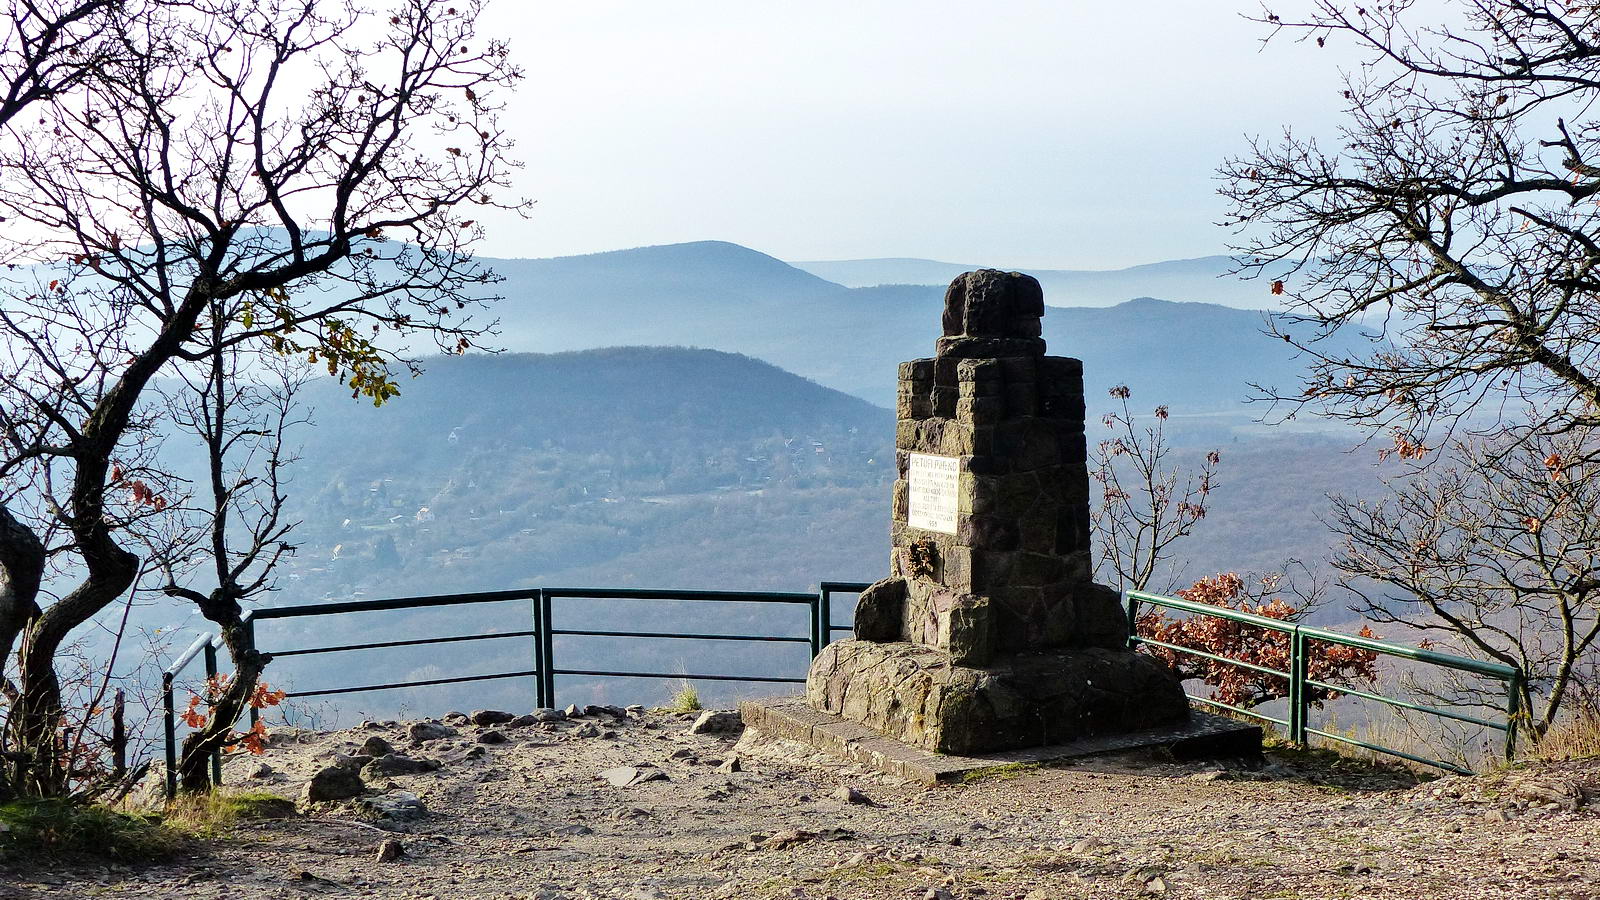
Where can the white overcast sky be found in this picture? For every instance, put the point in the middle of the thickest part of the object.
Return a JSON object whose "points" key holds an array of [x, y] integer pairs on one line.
{"points": [[1057, 133]]}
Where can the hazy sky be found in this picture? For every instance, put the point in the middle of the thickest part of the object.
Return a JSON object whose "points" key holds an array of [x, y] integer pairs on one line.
{"points": [[1046, 134]]}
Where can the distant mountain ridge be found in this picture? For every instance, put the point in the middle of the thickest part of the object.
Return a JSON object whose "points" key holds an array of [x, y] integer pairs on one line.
{"points": [[1195, 357], [1207, 279]]}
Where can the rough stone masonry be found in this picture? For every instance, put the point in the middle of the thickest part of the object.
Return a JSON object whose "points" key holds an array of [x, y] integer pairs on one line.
{"points": [[990, 633]]}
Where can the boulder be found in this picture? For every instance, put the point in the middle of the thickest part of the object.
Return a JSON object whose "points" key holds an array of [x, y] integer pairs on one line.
{"points": [[376, 746], [395, 806], [421, 732], [491, 717], [332, 784], [628, 776], [395, 764], [717, 721]]}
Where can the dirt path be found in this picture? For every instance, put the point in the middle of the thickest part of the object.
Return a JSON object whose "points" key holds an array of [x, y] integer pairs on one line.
{"points": [[529, 818]]}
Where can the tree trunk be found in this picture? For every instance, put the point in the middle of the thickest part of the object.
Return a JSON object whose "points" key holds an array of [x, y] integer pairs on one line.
{"points": [[22, 559], [194, 769]]}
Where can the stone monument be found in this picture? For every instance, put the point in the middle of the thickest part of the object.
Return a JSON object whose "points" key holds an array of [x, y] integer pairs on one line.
{"points": [[990, 633]]}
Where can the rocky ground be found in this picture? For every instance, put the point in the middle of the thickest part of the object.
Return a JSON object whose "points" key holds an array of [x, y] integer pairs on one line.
{"points": [[629, 804]]}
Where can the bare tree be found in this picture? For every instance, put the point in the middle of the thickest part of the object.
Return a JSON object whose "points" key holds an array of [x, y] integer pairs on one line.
{"points": [[1453, 218], [241, 407], [281, 174], [49, 47], [1147, 504], [1495, 551]]}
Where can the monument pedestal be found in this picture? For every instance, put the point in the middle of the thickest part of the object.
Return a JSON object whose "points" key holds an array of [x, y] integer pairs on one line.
{"points": [[914, 694]]}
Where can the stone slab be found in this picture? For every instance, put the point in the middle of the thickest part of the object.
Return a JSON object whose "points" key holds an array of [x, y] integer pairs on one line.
{"points": [[1203, 736]]}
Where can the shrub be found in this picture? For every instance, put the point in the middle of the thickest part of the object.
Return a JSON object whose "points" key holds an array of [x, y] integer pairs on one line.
{"points": [[1237, 685]]}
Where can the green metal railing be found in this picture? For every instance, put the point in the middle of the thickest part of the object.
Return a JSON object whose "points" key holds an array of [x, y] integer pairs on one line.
{"points": [[817, 633], [1295, 726]]}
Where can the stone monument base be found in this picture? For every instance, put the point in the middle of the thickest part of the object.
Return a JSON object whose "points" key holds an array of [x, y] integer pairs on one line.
{"points": [[1201, 736], [912, 693]]}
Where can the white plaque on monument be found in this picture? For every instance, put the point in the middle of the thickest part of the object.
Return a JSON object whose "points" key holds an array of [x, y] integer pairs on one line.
{"points": [[934, 481]]}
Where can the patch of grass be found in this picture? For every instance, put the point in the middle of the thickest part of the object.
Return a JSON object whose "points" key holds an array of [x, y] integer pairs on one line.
{"points": [[207, 815], [868, 871], [1574, 738], [685, 699], [998, 773], [34, 828]]}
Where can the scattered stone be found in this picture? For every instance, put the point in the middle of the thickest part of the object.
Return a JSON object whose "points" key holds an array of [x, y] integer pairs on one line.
{"points": [[571, 831], [286, 735], [938, 894], [395, 806], [334, 783], [395, 764], [457, 718], [353, 761], [615, 712], [421, 732], [714, 721], [731, 764], [1210, 775], [792, 836], [635, 710], [475, 752], [376, 746], [1087, 845], [390, 850], [491, 717], [627, 776], [683, 753], [492, 737], [847, 794], [263, 771], [783, 839], [523, 721], [546, 714], [587, 730], [573, 711], [632, 812]]}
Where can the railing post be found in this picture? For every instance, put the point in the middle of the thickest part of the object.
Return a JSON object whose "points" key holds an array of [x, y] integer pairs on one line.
{"points": [[821, 620], [547, 671], [1297, 687], [171, 730], [1513, 713], [1133, 620], [250, 647], [540, 700], [119, 733], [211, 682]]}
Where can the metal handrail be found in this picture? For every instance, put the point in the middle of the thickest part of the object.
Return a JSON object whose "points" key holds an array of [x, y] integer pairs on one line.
{"points": [[542, 633], [1300, 681]]}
